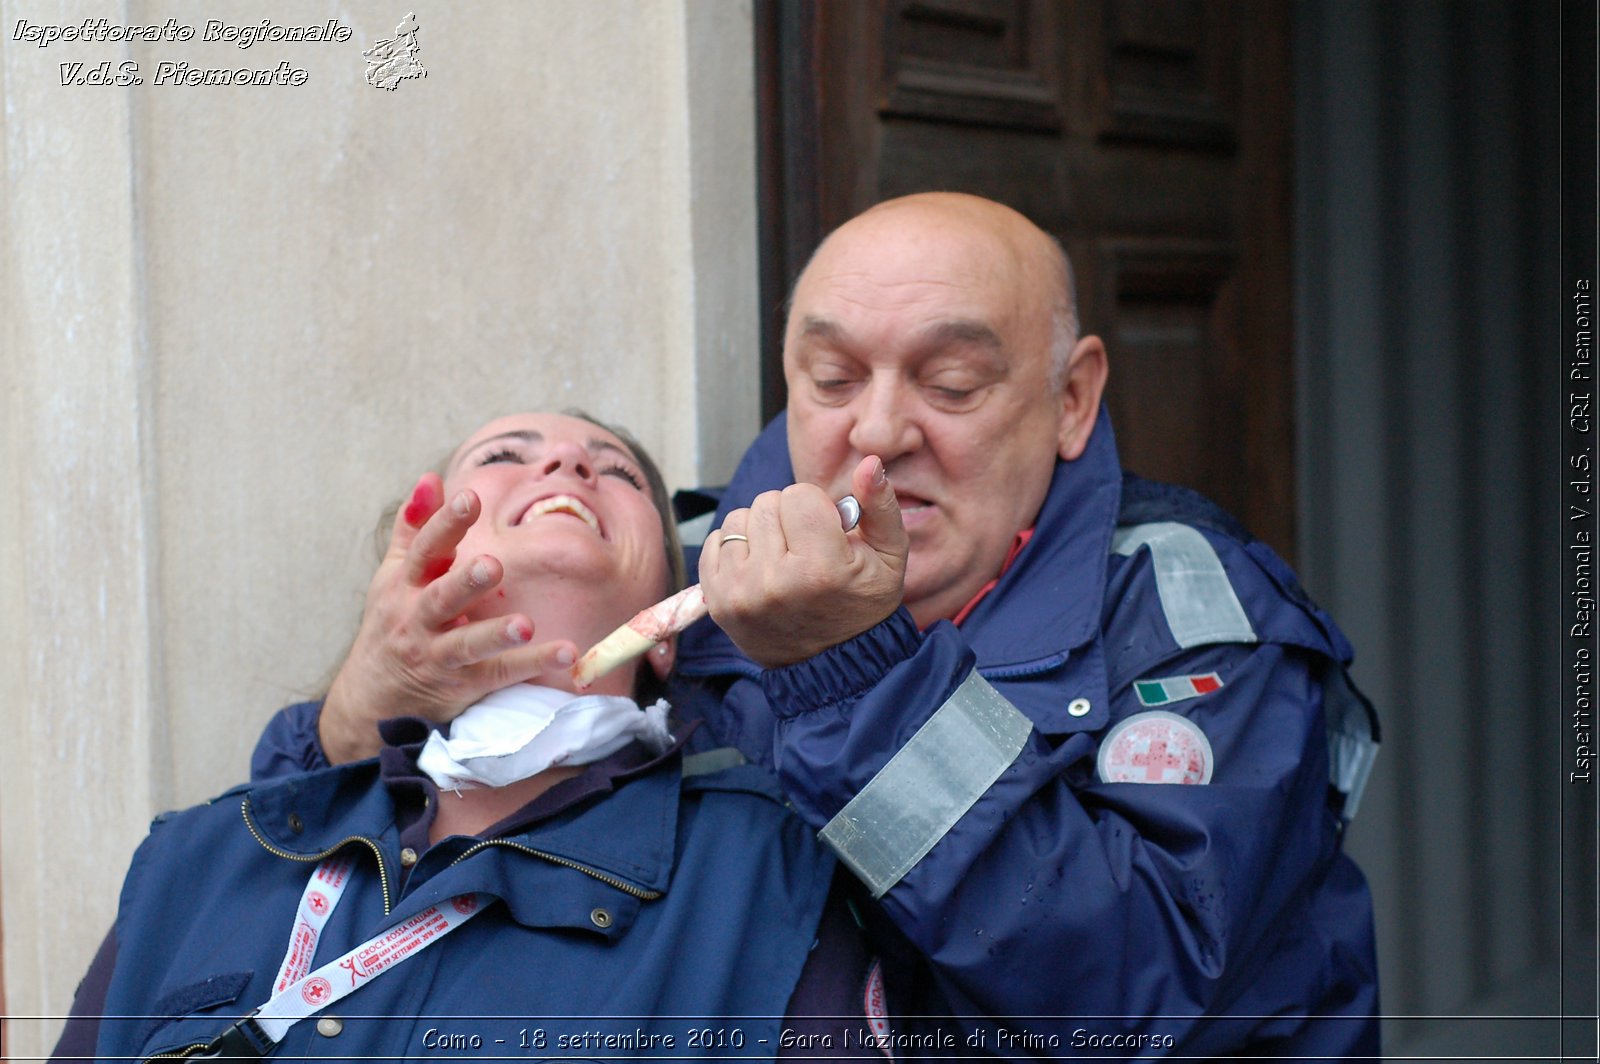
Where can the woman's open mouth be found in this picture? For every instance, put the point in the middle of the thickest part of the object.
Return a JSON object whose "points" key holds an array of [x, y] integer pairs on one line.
{"points": [[562, 504]]}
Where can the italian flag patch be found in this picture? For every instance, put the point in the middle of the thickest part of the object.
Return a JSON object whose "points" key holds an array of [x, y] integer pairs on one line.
{"points": [[1176, 688]]}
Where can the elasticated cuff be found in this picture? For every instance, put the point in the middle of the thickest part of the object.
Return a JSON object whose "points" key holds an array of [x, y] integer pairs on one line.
{"points": [[844, 671]]}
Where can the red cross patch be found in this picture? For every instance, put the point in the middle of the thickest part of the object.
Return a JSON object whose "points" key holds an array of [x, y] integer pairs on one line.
{"points": [[316, 991], [1156, 747], [317, 903]]}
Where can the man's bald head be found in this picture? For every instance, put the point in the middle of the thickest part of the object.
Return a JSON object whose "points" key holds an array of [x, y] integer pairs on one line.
{"points": [[938, 332], [1037, 253]]}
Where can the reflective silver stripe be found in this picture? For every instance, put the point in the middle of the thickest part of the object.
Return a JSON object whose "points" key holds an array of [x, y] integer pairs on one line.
{"points": [[709, 761], [908, 806], [1350, 761], [1196, 595], [1351, 747]]}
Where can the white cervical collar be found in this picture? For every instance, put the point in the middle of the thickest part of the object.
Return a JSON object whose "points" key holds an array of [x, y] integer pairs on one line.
{"points": [[522, 730]]}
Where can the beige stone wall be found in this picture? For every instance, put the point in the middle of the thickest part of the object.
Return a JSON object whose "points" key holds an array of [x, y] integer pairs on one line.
{"points": [[237, 321]]}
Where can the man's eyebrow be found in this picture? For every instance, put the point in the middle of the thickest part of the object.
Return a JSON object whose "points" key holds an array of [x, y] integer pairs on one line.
{"points": [[824, 329], [940, 334], [960, 331]]}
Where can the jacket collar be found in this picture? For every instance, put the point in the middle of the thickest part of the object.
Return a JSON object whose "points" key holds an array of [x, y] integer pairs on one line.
{"points": [[629, 835], [1049, 603]]}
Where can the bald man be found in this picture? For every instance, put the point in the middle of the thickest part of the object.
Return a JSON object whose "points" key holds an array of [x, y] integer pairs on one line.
{"points": [[1086, 747]]}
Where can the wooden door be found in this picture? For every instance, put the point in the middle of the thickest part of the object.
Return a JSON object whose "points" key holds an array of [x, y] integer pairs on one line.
{"points": [[1150, 136]]}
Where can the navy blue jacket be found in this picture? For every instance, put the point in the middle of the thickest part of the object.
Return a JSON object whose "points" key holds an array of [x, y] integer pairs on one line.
{"points": [[614, 918], [1058, 912]]}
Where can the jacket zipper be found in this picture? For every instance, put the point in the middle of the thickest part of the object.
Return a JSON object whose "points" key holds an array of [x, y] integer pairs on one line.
{"points": [[179, 1054], [610, 881], [383, 873]]}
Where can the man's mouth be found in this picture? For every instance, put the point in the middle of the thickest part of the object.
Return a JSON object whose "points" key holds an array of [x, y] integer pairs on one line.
{"points": [[911, 503], [562, 504]]}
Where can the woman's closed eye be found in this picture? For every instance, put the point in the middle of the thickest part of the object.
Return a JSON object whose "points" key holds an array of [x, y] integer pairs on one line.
{"points": [[625, 473]]}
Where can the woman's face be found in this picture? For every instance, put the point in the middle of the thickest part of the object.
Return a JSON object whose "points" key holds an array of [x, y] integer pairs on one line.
{"points": [[563, 501]]}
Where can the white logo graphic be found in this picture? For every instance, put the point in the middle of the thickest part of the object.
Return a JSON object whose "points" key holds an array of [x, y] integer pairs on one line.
{"points": [[389, 62]]}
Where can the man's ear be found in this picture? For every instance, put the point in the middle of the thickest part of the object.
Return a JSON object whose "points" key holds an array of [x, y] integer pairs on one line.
{"points": [[662, 656], [1080, 396]]}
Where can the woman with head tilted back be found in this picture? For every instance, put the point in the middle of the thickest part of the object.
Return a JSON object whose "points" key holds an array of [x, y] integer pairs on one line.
{"points": [[546, 879]]}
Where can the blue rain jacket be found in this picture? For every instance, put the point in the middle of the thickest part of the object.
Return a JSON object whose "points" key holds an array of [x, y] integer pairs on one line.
{"points": [[609, 930], [1062, 915]]}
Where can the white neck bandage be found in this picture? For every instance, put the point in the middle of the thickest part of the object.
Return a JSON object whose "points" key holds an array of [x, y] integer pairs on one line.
{"points": [[521, 730]]}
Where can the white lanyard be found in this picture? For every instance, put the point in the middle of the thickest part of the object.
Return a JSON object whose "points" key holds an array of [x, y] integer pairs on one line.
{"points": [[317, 903], [298, 992]]}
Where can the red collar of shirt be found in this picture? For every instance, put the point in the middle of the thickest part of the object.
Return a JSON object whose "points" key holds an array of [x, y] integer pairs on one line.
{"points": [[1016, 549]]}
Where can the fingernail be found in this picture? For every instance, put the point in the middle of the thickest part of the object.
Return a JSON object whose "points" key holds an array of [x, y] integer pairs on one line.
{"points": [[478, 575], [461, 504], [565, 657], [880, 475], [518, 632]]}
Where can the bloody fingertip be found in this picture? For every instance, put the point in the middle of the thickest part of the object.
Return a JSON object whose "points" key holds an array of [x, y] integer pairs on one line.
{"points": [[422, 503]]}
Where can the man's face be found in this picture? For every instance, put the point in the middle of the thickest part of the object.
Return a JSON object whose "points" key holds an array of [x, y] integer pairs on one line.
{"points": [[923, 336]]}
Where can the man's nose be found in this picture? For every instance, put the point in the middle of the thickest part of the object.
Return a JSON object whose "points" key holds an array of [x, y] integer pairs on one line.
{"points": [[885, 423], [566, 456]]}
